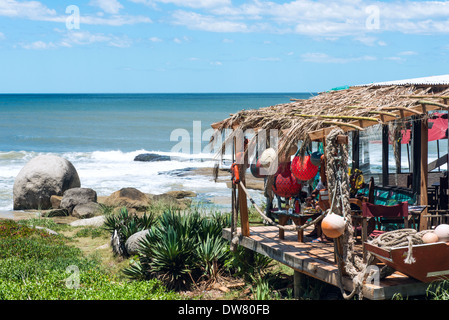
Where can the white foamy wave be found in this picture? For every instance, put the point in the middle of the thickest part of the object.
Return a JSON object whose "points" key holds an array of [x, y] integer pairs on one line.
{"points": [[109, 171]]}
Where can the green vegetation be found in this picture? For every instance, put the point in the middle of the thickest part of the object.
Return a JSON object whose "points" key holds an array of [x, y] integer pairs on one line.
{"points": [[183, 256], [37, 265]]}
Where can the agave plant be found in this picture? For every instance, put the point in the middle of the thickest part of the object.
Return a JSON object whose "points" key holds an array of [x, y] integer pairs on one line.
{"points": [[168, 250], [211, 253], [123, 225], [181, 247]]}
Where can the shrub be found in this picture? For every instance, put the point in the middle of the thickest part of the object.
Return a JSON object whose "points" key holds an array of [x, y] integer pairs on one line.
{"points": [[181, 248], [122, 225]]}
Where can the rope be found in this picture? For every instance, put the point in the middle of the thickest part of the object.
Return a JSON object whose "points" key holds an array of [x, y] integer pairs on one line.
{"points": [[400, 238], [339, 184], [271, 222]]}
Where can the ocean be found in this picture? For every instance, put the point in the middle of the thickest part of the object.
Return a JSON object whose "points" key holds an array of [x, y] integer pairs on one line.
{"points": [[101, 134]]}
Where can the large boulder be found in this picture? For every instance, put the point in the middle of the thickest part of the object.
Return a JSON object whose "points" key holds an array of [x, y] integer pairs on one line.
{"points": [[129, 198], [42, 177], [132, 244], [87, 210], [77, 196]]}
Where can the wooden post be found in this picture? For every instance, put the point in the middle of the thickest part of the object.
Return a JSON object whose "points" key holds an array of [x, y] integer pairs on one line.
{"points": [[385, 144], [299, 284], [355, 150], [243, 207], [424, 171], [416, 157]]}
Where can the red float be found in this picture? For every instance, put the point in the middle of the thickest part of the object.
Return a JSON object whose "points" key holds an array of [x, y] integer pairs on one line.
{"points": [[304, 170], [285, 184]]}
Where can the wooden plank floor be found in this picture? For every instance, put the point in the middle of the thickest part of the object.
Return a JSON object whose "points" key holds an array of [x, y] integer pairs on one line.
{"points": [[316, 259]]}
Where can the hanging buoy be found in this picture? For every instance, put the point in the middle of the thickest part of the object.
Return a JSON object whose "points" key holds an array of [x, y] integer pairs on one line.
{"points": [[430, 237], [442, 231], [285, 184], [333, 225], [267, 157], [303, 168], [255, 169]]}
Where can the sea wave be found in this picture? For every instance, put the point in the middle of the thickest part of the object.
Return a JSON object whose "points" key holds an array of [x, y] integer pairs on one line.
{"points": [[109, 171]]}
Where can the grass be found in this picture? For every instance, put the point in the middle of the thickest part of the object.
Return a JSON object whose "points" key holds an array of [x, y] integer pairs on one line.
{"points": [[39, 266]]}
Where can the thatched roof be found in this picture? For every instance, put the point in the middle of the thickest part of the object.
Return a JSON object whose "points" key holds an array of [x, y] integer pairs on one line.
{"points": [[351, 109]]}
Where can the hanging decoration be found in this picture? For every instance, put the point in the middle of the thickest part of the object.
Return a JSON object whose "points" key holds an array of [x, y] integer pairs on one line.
{"points": [[303, 168], [285, 184]]}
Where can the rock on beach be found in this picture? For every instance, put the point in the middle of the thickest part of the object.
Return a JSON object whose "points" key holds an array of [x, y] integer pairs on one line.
{"points": [[77, 196], [42, 177], [128, 197]]}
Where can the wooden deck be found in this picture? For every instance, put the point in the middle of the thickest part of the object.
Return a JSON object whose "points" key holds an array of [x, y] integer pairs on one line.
{"points": [[317, 260]]}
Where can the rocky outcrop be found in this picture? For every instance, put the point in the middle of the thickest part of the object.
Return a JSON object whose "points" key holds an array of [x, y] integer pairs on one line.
{"points": [[129, 198], [42, 177], [87, 210], [94, 222], [76, 196], [149, 157]]}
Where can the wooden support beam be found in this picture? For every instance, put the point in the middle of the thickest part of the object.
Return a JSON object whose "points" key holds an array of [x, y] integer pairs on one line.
{"points": [[416, 156], [355, 150], [424, 171], [342, 139], [424, 96], [402, 112], [243, 208], [437, 163], [436, 104], [385, 173]]}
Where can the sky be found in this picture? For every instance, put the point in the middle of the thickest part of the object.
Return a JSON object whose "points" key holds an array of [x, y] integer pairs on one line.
{"points": [[148, 46]]}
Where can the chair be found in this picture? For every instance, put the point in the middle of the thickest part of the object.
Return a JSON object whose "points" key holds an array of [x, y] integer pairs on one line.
{"points": [[381, 214]]}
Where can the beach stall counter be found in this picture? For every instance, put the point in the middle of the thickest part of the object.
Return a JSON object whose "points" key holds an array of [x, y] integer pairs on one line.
{"points": [[356, 185]]}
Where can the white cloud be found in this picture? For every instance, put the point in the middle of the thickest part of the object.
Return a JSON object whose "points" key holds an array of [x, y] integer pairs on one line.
{"points": [[198, 21], [32, 10], [407, 53], [116, 20], [181, 40], [186, 3], [314, 17], [79, 38], [35, 10], [2, 36], [108, 6], [155, 39], [38, 45], [319, 57], [370, 41]]}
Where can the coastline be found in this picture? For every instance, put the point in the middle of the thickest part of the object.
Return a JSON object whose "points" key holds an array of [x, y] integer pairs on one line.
{"points": [[188, 197]]}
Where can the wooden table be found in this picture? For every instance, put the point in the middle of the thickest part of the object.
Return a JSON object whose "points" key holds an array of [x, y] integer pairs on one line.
{"points": [[298, 218]]}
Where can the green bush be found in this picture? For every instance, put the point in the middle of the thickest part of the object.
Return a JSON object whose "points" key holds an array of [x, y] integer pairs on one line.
{"points": [[122, 225], [181, 248]]}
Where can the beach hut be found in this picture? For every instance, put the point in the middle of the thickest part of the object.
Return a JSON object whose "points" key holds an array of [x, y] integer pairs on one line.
{"points": [[383, 130]]}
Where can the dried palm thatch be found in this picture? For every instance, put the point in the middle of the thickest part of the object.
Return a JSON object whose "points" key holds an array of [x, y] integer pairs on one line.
{"points": [[294, 121]]}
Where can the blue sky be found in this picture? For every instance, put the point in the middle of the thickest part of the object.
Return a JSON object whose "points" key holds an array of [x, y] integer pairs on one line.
{"points": [[217, 45]]}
